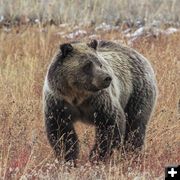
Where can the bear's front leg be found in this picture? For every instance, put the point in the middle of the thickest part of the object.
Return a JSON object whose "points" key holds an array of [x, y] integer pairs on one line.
{"points": [[110, 131], [60, 131]]}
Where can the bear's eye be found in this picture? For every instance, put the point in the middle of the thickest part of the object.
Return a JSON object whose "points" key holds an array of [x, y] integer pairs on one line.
{"points": [[88, 67]]}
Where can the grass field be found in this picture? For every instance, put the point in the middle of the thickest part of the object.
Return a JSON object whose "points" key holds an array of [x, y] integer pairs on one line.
{"points": [[95, 11], [24, 150]]}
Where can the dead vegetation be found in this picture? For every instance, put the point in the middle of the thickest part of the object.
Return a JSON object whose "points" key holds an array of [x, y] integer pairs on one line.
{"points": [[156, 12], [24, 150]]}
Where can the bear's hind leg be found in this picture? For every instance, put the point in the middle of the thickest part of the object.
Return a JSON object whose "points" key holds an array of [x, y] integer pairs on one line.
{"points": [[138, 112]]}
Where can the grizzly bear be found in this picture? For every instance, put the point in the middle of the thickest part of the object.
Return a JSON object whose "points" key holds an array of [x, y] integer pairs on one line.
{"points": [[102, 83]]}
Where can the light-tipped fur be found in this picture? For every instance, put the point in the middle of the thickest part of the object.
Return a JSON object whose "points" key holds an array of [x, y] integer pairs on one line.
{"points": [[117, 95]]}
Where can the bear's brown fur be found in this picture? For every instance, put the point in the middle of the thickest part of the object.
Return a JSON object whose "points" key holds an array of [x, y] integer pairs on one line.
{"points": [[105, 84]]}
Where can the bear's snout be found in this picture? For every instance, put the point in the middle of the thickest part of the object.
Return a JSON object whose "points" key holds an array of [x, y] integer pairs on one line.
{"points": [[102, 81], [107, 81]]}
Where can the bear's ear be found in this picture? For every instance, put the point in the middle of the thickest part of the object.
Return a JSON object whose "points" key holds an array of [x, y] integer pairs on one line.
{"points": [[93, 44], [66, 49]]}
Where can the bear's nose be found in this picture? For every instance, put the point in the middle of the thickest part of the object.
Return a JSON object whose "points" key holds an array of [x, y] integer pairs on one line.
{"points": [[108, 79]]}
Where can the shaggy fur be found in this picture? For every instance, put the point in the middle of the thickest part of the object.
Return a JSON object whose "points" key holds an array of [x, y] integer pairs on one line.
{"points": [[102, 83]]}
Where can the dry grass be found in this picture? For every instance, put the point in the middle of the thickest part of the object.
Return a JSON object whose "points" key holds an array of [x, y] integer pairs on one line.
{"points": [[98, 11], [24, 149]]}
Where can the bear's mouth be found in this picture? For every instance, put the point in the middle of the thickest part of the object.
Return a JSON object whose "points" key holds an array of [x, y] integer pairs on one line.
{"points": [[93, 88]]}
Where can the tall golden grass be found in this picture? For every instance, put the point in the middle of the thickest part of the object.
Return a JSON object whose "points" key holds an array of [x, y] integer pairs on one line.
{"points": [[24, 149], [81, 11]]}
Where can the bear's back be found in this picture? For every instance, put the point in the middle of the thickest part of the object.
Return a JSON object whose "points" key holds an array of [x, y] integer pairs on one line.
{"points": [[131, 68], [125, 59]]}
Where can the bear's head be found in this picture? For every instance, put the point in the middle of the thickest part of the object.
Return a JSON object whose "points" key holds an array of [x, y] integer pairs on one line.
{"points": [[77, 71]]}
